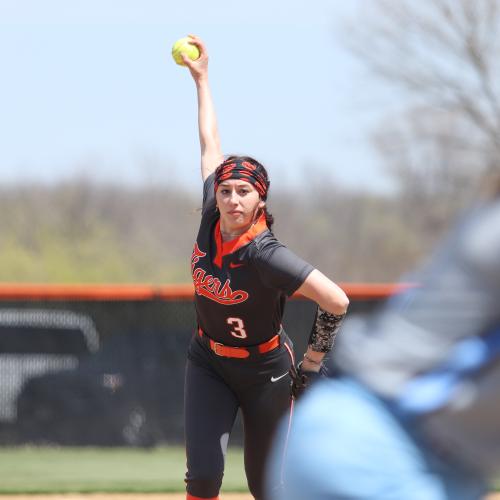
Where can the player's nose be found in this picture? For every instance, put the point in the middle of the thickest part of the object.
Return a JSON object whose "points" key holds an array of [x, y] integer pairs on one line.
{"points": [[234, 198]]}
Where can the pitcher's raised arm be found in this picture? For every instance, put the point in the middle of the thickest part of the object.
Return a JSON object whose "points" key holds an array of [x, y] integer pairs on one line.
{"points": [[211, 152]]}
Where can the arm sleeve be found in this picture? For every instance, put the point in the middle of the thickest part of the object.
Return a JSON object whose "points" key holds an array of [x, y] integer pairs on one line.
{"points": [[280, 268], [208, 194]]}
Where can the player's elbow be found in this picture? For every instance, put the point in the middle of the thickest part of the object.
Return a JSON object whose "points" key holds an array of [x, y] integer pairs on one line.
{"points": [[328, 295], [334, 300], [338, 302]]}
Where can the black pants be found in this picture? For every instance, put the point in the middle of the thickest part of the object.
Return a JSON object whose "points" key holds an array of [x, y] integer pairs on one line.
{"points": [[215, 388]]}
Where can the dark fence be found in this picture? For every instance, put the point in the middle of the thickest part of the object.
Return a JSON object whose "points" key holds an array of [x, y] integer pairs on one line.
{"points": [[104, 365]]}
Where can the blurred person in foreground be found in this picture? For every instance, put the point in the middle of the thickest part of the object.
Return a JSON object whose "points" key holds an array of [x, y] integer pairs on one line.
{"points": [[411, 409]]}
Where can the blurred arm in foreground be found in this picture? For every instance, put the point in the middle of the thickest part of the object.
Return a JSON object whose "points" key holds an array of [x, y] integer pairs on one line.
{"points": [[412, 411]]}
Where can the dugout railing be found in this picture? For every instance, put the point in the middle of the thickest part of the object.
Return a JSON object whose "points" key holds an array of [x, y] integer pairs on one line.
{"points": [[103, 365]]}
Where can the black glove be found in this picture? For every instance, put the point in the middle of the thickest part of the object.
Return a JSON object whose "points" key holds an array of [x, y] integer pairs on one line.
{"points": [[301, 379]]}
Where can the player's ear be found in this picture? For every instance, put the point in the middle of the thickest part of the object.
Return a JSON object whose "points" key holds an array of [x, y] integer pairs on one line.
{"points": [[262, 204]]}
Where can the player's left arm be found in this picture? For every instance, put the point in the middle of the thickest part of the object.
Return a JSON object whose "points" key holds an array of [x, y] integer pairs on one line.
{"points": [[332, 307], [282, 269]]}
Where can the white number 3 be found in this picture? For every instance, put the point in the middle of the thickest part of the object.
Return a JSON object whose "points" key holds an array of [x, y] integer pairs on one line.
{"points": [[239, 328]]}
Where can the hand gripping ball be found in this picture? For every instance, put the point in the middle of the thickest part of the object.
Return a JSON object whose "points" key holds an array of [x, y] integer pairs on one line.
{"points": [[184, 46]]}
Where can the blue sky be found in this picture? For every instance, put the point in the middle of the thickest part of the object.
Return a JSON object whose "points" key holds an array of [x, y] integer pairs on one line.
{"points": [[89, 88]]}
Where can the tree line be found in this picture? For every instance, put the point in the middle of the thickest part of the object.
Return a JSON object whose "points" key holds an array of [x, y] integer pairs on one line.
{"points": [[79, 231], [441, 147]]}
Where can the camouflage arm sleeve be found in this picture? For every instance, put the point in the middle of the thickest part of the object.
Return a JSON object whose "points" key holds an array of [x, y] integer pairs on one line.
{"points": [[325, 328]]}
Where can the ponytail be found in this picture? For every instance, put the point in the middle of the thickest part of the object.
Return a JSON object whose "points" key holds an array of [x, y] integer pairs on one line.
{"points": [[269, 218]]}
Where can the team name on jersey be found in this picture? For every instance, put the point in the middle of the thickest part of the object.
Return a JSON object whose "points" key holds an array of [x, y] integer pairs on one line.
{"points": [[210, 287]]}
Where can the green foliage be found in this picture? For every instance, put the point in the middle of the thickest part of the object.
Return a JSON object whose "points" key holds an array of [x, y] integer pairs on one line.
{"points": [[85, 233]]}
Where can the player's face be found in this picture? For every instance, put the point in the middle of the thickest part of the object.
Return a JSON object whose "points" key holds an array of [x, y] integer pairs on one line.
{"points": [[238, 203]]}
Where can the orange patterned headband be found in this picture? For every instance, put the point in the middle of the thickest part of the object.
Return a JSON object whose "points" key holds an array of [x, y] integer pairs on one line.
{"points": [[244, 170]]}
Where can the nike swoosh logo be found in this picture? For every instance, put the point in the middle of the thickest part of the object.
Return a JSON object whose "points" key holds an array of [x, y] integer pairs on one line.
{"points": [[233, 265], [275, 379]]}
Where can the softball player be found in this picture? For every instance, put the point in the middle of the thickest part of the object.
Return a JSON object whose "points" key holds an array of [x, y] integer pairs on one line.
{"points": [[240, 356]]}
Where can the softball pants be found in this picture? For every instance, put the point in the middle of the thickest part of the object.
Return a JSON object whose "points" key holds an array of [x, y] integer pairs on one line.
{"points": [[215, 387]]}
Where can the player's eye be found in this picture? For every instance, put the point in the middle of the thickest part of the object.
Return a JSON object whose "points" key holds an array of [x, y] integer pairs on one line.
{"points": [[224, 191]]}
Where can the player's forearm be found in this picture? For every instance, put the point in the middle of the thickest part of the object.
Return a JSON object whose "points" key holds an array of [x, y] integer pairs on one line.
{"points": [[332, 307], [207, 119], [210, 147]]}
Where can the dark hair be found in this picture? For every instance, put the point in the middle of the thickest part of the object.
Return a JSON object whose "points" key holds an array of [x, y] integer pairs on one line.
{"points": [[262, 170]]}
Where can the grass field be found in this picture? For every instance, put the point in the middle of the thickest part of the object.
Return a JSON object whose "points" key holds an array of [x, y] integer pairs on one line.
{"points": [[31, 470], [60, 470]]}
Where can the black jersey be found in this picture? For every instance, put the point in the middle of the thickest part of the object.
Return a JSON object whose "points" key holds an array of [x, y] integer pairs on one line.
{"points": [[241, 285]]}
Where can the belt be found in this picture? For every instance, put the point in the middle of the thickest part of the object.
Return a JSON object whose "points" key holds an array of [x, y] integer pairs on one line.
{"points": [[228, 351]]}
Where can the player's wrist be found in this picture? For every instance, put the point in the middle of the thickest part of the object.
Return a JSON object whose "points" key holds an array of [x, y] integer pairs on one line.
{"points": [[201, 79], [310, 367], [312, 361]]}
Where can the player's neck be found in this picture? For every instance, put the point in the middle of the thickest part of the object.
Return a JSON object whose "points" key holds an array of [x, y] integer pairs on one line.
{"points": [[231, 235]]}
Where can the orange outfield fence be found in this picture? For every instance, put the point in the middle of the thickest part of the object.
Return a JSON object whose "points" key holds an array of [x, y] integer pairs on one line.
{"points": [[33, 291]]}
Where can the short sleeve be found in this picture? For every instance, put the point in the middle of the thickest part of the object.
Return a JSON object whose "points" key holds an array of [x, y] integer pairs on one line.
{"points": [[280, 268], [208, 194]]}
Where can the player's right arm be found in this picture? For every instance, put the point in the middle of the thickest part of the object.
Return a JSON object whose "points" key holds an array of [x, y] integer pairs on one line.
{"points": [[211, 152]]}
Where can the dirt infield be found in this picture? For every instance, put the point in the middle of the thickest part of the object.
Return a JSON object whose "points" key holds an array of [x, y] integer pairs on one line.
{"points": [[120, 496], [141, 496]]}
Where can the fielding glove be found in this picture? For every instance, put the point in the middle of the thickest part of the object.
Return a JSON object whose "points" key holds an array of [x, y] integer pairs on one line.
{"points": [[302, 379]]}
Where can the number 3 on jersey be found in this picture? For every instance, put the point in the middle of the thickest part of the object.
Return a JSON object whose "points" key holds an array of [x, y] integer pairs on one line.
{"points": [[238, 328]]}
